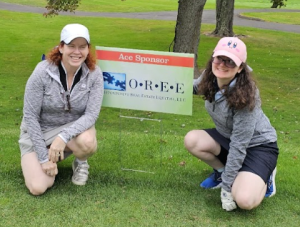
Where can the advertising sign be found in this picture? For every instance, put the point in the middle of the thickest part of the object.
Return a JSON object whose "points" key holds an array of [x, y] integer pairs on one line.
{"points": [[147, 80]]}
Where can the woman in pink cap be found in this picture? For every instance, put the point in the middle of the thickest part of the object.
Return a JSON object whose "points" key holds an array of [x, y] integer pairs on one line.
{"points": [[242, 148], [62, 101]]}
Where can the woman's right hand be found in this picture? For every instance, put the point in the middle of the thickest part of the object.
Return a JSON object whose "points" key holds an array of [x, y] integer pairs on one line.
{"points": [[50, 168]]}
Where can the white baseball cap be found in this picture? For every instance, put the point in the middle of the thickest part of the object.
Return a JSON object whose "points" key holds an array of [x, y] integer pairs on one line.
{"points": [[73, 31]]}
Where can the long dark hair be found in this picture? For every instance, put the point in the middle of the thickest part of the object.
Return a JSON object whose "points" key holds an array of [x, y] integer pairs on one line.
{"points": [[55, 56], [239, 96]]}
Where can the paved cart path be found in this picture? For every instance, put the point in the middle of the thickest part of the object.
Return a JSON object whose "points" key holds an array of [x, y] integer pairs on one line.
{"points": [[209, 16]]}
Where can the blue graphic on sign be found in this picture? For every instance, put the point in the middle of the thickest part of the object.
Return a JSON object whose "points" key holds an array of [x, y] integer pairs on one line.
{"points": [[114, 81]]}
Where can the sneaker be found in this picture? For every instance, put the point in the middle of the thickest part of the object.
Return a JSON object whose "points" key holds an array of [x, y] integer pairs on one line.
{"points": [[271, 187], [80, 172], [212, 181]]}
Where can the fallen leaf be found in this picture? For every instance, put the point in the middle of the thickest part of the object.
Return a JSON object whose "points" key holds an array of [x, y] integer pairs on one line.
{"points": [[182, 163]]}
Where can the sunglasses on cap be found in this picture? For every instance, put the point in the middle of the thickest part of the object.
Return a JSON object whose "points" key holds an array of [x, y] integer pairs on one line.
{"points": [[227, 62]]}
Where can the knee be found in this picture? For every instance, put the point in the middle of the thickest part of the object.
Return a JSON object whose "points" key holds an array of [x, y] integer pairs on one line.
{"points": [[245, 201], [190, 140], [88, 145], [36, 188]]}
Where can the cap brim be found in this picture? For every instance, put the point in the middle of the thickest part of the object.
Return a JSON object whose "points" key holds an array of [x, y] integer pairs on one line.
{"points": [[225, 53], [69, 39]]}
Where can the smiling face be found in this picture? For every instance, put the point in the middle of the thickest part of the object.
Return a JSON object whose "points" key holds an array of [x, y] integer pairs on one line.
{"points": [[223, 73], [74, 53]]}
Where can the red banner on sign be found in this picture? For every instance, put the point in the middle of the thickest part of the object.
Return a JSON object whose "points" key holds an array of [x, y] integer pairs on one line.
{"points": [[145, 58]]}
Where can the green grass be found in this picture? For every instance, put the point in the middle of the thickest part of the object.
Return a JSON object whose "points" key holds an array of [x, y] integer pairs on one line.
{"points": [[171, 196], [153, 5], [172, 5], [278, 17], [255, 4]]}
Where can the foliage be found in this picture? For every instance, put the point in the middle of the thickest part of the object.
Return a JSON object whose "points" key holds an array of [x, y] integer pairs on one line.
{"points": [[56, 6], [278, 3]]}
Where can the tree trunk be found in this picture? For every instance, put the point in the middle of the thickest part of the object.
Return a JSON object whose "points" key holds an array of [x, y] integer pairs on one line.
{"points": [[275, 5], [188, 25], [224, 18]]}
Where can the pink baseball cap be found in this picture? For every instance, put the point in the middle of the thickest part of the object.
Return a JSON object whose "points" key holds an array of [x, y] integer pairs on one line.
{"points": [[232, 47], [73, 31]]}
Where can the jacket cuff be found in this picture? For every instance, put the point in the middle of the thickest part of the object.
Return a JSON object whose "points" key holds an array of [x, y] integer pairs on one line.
{"points": [[44, 161], [63, 138]]}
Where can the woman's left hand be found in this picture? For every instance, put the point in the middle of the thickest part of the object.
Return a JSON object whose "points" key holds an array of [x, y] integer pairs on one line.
{"points": [[228, 203], [56, 150]]}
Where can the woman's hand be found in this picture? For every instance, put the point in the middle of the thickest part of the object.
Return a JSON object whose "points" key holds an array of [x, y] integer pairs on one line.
{"points": [[56, 150], [228, 203], [50, 168]]}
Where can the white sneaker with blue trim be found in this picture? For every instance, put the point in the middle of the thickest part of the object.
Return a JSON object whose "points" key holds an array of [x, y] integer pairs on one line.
{"points": [[271, 187]]}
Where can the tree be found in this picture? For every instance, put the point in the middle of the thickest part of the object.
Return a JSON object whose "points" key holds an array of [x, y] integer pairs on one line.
{"points": [[55, 6], [224, 18], [187, 30], [278, 3]]}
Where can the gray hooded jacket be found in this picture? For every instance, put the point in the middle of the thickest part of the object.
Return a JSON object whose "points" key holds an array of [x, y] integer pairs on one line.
{"points": [[45, 101], [244, 128]]}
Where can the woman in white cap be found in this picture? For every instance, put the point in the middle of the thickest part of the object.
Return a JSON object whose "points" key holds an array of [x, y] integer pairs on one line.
{"points": [[242, 148], [62, 101]]}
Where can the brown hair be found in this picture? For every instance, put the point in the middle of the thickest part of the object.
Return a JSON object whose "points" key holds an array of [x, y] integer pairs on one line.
{"points": [[239, 96], [55, 56]]}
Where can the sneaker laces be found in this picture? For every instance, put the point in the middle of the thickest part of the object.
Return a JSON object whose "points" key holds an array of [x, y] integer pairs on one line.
{"points": [[217, 175], [81, 171]]}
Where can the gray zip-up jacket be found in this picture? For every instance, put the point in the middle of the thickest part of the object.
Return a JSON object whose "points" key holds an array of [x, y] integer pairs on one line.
{"points": [[45, 101], [244, 128]]}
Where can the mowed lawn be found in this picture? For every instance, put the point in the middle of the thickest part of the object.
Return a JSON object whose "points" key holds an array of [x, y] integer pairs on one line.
{"points": [[171, 196]]}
